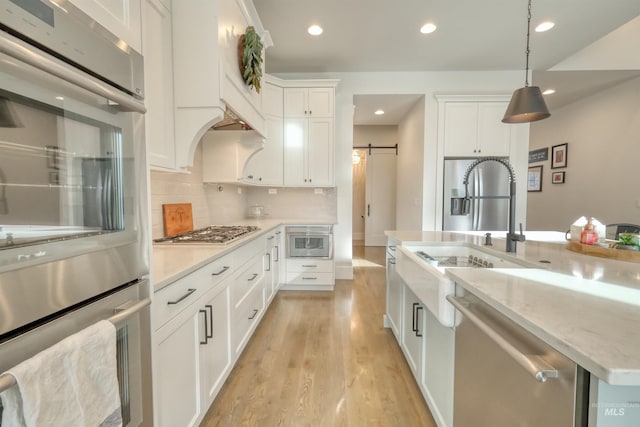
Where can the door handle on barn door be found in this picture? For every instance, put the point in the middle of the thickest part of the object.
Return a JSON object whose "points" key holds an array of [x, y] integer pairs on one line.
{"points": [[368, 209]]}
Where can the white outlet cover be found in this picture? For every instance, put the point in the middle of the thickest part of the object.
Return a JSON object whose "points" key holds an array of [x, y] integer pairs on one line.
{"points": [[239, 190], [273, 191], [318, 191]]}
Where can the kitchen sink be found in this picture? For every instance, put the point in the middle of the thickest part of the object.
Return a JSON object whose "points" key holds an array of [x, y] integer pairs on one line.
{"points": [[423, 268]]}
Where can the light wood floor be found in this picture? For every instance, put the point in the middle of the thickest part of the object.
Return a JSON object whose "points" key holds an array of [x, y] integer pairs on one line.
{"points": [[324, 359]]}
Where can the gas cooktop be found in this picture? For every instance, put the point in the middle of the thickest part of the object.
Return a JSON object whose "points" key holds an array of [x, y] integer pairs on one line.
{"points": [[213, 234]]}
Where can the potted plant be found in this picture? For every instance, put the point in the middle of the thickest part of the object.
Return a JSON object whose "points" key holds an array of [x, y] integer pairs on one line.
{"points": [[627, 241]]}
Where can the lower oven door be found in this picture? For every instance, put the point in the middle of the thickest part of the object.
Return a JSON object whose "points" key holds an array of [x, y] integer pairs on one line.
{"points": [[132, 322]]}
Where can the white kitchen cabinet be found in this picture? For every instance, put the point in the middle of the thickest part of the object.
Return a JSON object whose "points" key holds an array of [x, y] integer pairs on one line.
{"points": [[309, 102], [413, 331], [475, 129], [308, 136], [158, 77], [309, 274], [121, 17], [308, 151], [176, 378], [394, 292], [215, 355], [266, 167], [272, 265]]}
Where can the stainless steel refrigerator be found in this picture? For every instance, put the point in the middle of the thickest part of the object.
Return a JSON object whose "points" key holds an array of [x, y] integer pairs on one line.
{"points": [[488, 191]]}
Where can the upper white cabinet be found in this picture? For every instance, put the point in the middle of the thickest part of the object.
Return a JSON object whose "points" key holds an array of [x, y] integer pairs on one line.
{"points": [[308, 136], [309, 102], [475, 128], [266, 166], [158, 77], [121, 17]]}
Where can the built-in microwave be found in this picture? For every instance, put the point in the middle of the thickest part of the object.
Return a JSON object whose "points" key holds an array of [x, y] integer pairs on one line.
{"points": [[310, 241]]}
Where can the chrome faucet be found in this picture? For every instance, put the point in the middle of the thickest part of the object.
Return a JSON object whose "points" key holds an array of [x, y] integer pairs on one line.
{"points": [[512, 237]]}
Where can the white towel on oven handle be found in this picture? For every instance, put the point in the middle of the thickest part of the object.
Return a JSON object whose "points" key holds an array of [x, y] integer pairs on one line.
{"points": [[72, 383]]}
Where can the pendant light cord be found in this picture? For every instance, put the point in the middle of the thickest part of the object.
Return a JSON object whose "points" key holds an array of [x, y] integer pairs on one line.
{"points": [[526, 76]]}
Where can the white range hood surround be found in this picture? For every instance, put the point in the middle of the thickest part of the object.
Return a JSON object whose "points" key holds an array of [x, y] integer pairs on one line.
{"points": [[206, 73]]}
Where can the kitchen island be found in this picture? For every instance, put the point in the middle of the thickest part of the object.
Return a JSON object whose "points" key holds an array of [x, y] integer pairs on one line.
{"points": [[584, 307]]}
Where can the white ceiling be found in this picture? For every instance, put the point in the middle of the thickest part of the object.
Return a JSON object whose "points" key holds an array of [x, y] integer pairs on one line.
{"points": [[383, 35]]}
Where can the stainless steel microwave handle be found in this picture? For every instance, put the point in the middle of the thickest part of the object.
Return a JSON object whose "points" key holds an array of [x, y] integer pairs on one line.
{"points": [[533, 364], [21, 51]]}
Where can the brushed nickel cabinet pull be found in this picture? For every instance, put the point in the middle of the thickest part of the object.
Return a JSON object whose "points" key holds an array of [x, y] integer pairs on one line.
{"points": [[225, 268], [255, 313], [252, 278]]}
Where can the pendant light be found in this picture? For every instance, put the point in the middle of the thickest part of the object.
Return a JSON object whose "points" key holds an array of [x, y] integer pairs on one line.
{"points": [[527, 104]]}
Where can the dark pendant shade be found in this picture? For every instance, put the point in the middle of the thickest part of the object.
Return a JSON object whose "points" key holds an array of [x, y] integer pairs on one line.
{"points": [[527, 105]]}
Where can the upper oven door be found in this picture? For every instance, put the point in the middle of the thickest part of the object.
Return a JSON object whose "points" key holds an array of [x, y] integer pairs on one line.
{"points": [[72, 184]]}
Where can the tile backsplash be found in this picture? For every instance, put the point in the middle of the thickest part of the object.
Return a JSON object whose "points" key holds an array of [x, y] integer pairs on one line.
{"points": [[227, 203]]}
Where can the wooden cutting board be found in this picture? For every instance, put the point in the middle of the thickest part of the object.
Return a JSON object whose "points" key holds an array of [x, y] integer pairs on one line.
{"points": [[177, 218]]}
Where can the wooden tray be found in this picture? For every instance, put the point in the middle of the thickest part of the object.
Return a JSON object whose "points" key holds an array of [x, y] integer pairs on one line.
{"points": [[611, 253], [177, 218]]}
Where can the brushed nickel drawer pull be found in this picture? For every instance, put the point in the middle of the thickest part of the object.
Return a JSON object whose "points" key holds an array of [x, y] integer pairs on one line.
{"points": [[252, 278], [255, 313], [189, 292], [309, 278], [310, 266], [225, 268]]}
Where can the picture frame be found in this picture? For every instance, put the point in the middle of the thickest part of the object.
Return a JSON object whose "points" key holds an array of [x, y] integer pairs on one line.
{"points": [[559, 156], [534, 179], [557, 178], [53, 156]]}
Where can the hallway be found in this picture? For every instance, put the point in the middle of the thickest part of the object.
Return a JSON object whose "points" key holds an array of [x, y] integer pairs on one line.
{"points": [[323, 359]]}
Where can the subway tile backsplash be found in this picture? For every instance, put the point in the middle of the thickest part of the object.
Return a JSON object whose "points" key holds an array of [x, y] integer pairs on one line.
{"points": [[228, 203]]}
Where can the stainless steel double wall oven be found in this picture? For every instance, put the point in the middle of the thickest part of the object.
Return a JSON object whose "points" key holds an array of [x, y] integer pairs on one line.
{"points": [[73, 216]]}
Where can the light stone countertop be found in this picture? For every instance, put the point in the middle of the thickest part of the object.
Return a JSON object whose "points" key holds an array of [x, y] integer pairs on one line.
{"points": [[588, 308], [170, 262]]}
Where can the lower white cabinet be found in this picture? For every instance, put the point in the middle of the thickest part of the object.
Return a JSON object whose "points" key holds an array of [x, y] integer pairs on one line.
{"points": [[176, 354], [394, 293], [413, 331], [201, 324], [310, 274], [215, 354]]}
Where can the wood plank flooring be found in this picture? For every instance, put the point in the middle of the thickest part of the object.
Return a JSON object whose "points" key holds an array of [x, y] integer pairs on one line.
{"points": [[324, 359]]}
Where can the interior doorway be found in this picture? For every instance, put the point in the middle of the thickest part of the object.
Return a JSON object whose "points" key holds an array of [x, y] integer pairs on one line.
{"points": [[374, 184]]}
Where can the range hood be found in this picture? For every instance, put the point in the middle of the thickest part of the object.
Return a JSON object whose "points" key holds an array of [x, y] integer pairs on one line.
{"points": [[231, 121]]}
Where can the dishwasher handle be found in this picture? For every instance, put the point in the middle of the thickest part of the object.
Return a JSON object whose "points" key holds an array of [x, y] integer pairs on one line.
{"points": [[533, 364]]}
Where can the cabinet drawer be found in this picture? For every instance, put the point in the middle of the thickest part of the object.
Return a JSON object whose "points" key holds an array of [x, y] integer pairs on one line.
{"points": [[245, 252], [310, 265], [245, 316], [309, 278], [246, 280], [171, 300]]}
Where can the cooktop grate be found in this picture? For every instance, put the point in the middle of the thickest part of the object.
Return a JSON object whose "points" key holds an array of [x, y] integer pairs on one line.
{"points": [[210, 234]]}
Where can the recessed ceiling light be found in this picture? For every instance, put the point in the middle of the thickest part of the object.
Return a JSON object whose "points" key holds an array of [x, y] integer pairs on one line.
{"points": [[315, 30], [379, 112], [544, 26], [549, 92], [428, 28]]}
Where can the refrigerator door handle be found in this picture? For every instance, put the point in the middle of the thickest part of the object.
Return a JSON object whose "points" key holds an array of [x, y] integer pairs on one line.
{"points": [[480, 203]]}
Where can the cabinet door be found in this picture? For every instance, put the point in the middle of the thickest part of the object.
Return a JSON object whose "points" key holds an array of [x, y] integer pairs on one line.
{"points": [[272, 100], [158, 76], [296, 102], [320, 152], [266, 166], [413, 331], [176, 380], [121, 17], [215, 356], [394, 296], [295, 164], [321, 102], [493, 136], [460, 129]]}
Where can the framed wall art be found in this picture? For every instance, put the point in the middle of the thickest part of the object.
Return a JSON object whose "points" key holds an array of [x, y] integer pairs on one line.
{"points": [[559, 156], [534, 179], [557, 178]]}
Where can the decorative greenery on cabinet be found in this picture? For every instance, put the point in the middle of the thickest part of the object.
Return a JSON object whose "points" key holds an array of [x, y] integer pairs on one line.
{"points": [[250, 56]]}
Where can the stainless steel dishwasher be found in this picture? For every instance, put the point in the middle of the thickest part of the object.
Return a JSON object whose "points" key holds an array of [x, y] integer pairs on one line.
{"points": [[505, 376]]}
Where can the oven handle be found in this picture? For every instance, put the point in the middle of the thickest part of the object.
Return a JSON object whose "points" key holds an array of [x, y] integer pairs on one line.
{"points": [[7, 380], [19, 50]]}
